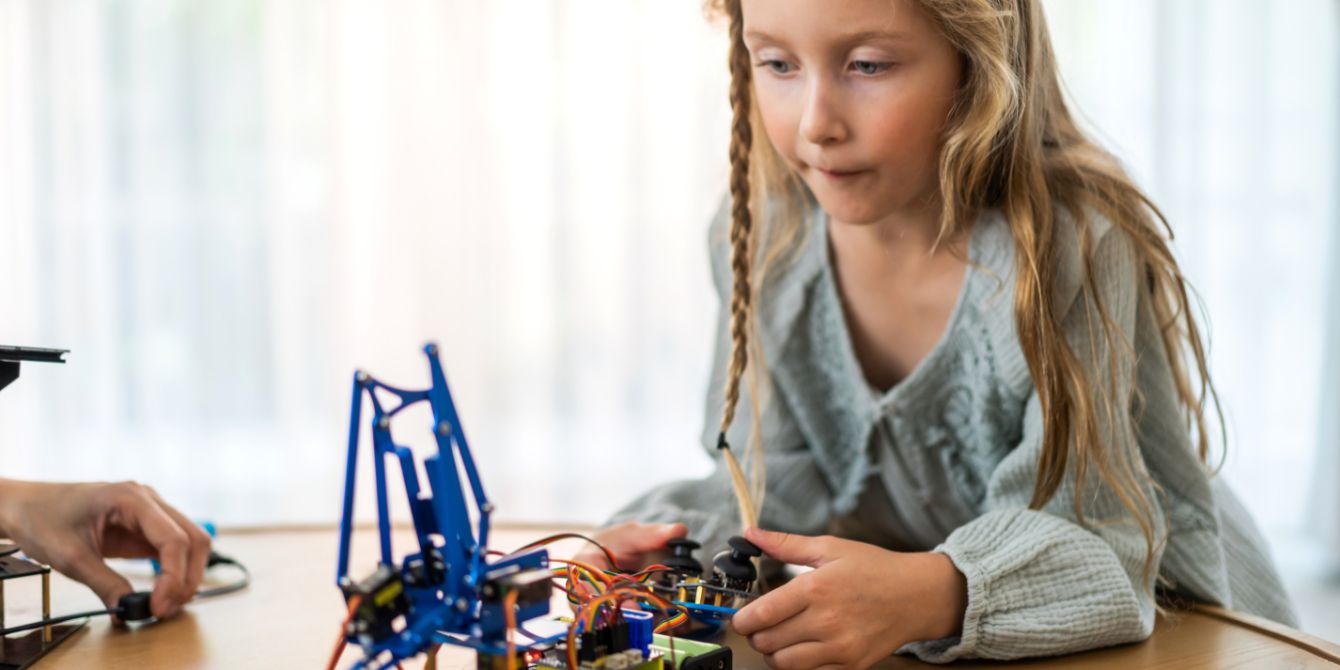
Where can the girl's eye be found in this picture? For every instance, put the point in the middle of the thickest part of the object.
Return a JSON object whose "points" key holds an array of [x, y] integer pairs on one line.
{"points": [[869, 67], [777, 66]]}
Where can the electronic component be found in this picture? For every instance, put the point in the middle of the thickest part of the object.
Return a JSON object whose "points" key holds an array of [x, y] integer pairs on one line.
{"points": [[641, 628], [134, 606], [532, 587], [684, 654], [735, 569], [380, 601]]}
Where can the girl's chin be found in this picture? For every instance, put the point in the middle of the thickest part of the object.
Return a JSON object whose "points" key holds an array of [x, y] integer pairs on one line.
{"points": [[851, 209]]}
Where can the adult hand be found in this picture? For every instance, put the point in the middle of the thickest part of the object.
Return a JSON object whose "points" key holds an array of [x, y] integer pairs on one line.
{"points": [[73, 527]]}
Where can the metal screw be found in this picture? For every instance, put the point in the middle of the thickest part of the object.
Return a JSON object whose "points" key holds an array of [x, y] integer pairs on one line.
{"points": [[462, 604], [488, 508], [383, 423], [362, 377], [444, 428]]}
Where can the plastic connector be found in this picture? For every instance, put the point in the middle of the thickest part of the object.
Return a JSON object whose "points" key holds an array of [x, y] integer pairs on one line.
{"points": [[134, 606]]}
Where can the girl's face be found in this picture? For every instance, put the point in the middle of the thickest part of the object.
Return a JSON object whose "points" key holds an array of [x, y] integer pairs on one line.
{"points": [[854, 94]]}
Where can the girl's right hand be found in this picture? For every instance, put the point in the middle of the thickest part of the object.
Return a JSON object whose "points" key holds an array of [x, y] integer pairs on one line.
{"points": [[632, 544]]}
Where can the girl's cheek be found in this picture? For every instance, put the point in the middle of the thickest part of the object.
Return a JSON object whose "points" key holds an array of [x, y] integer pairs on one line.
{"points": [[780, 127]]}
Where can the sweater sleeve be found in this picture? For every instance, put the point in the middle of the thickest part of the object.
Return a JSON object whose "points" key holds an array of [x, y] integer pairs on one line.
{"points": [[1039, 583], [798, 496]]}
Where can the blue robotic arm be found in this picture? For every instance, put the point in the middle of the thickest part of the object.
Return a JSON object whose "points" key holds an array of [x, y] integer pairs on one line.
{"points": [[447, 591]]}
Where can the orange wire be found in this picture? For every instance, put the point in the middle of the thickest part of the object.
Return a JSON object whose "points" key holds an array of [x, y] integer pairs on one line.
{"points": [[354, 602], [509, 615], [594, 605], [595, 572]]}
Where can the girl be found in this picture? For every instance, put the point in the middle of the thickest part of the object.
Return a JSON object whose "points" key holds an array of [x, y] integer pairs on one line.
{"points": [[971, 355]]}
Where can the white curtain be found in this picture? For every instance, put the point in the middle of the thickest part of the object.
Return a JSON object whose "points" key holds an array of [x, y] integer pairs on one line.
{"points": [[1228, 112], [223, 207], [1326, 476]]}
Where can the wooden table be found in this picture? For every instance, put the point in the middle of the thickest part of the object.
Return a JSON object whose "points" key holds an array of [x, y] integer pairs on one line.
{"points": [[290, 619]]}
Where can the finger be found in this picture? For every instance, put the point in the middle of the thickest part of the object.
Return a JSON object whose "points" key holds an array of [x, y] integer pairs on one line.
{"points": [[670, 531], [88, 569], [630, 543], [647, 537], [803, 656], [790, 632], [198, 554], [789, 548], [140, 511], [651, 539], [771, 609]]}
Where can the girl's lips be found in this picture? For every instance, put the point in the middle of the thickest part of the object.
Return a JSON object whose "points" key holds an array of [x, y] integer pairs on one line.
{"points": [[840, 175]]}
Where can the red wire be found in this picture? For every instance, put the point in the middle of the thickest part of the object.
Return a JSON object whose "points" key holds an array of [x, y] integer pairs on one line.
{"points": [[354, 602]]}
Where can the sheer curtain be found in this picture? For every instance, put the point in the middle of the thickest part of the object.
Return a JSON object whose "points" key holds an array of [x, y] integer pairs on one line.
{"points": [[1326, 477], [224, 207], [1228, 113]]}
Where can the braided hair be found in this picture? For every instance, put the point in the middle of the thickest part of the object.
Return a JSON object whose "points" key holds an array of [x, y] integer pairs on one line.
{"points": [[741, 234]]}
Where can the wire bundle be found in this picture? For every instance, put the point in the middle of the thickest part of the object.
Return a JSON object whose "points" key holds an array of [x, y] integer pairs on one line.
{"points": [[598, 596]]}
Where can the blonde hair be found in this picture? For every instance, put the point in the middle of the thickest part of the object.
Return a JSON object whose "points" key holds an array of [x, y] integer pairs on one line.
{"points": [[1010, 143]]}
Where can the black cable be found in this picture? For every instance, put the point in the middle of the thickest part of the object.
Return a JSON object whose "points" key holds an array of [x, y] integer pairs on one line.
{"points": [[135, 606], [55, 620], [215, 558]]}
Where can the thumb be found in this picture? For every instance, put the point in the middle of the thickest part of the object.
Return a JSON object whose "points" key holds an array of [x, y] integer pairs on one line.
{"points": [[790, 548], [105, 582]]}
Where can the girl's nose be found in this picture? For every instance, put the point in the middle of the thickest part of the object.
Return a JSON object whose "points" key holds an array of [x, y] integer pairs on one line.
{"points": [[821, 120]]}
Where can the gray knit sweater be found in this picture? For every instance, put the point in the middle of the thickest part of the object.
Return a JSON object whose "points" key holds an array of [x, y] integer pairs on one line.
{"points": [[946, 460]]}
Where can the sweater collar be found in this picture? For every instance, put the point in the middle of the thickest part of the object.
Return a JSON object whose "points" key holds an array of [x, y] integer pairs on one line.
{"points": [[807, 345]]}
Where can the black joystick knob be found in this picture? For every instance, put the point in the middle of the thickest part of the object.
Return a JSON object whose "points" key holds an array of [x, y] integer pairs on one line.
{"points": [[681, 559], [744, 547], [738, 565]]}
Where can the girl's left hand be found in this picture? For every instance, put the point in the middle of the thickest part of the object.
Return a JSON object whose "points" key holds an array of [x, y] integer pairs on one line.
{"points": [[859, 605]]}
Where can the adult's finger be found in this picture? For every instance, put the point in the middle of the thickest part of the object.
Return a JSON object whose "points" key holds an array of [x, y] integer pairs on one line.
{"points": [[771, 609], [140, 511], [198, 554], [88, 569]]}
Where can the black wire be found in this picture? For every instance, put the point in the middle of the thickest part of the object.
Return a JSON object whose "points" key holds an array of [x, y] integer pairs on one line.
{"points": [[215, 558], [55, 620]]}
